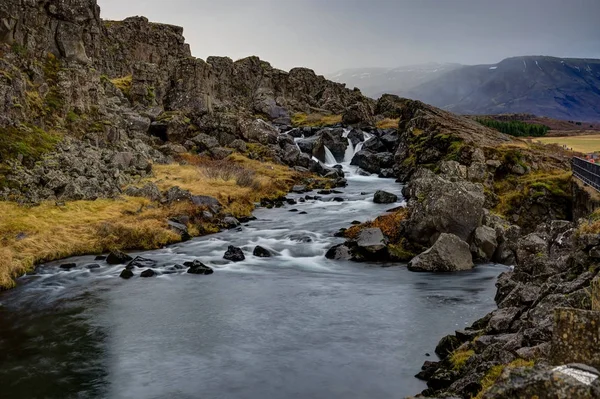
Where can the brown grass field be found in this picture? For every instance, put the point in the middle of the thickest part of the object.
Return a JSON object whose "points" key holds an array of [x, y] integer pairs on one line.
{"points": [[585, 144]]}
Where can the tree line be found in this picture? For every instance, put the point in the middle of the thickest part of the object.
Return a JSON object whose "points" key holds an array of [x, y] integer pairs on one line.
{"points": [[515, 128]]}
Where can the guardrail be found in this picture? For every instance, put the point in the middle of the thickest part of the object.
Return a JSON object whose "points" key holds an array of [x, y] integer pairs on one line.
{"points": [[587, 172]]}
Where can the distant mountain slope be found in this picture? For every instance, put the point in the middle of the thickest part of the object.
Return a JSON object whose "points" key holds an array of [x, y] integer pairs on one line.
{"points": [[545, 86], [374, 82]]}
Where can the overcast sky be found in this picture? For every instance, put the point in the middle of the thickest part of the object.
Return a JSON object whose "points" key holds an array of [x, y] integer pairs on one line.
{"points": [[329, 35]]}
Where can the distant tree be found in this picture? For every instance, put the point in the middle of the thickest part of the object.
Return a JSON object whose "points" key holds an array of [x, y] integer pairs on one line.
{"points": [[515, 128], [578, 123]]}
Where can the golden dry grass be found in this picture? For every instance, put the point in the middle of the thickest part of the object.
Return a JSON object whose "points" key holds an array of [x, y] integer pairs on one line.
{"points": [[584, 144], [123, 84], [388, 123], [85, 227], [388, 224], [301, 120]]}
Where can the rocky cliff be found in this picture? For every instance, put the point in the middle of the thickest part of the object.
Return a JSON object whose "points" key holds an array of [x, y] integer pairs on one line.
{"points": [[88, 105]]}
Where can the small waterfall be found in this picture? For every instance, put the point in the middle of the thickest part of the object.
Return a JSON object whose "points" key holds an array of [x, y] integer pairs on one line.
{"points": [[367, 136], [329, 158], [346, 133], [296, 142], [349, 154], [359, 147]]}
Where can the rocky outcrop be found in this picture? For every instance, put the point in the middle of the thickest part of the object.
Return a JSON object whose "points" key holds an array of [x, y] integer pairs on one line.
{"points": [[126, 94], [524, 328]]}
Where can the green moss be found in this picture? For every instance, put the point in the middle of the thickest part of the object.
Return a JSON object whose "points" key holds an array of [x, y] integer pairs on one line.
{"points": [[26, 141], [459, 358], [150, 94], [495, 372], [123, 84], [19, 49], [72, 117], [399, 253]]}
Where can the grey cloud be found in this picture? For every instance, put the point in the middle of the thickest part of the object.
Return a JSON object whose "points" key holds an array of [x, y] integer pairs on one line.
{"points": [[328, 35]]}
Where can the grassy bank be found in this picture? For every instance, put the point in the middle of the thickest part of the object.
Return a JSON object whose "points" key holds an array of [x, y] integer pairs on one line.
{"points": [[32, 235]]}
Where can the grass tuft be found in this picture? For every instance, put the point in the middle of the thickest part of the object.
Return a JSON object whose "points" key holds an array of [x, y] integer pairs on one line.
{"points": [[302, 120]]}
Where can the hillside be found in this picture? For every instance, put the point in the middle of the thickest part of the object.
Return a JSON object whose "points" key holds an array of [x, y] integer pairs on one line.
{"points": [[566, 89], [374, 82]]}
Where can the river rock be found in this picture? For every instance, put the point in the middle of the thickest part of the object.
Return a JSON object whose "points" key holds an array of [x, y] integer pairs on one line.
{"points": [[180, 229], [197, 267], [68, 266], [448, 254], [371, 240], [261, 252], [141, 263], [339, 252], [126, 274], [383, 197], [148, 273], [230, 222], [117, 258], [234, 254]]}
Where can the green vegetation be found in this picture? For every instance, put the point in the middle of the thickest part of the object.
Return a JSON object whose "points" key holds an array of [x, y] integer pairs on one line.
{"points": [[495, 372], [515, 128], [123, 84], [460, 357]]}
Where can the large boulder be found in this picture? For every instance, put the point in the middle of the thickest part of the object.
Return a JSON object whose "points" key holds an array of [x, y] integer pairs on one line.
{"points": [[448, 254], [442, 206], [258, 131], [118, 258], [373, 162]]}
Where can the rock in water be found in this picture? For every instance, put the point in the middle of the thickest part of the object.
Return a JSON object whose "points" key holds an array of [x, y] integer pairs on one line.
{"points": [[383, 197], [197, 267], [448, 254], [68, 266], [371, 240], [117, 258], [148, 273], [234, 254], [338, 252], [261, 252], [141, 263], [484, 243], [126, 274]]}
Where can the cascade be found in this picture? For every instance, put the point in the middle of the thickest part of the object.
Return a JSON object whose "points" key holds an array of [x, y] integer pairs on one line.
{"points": [[329, 158], [349, 154]]}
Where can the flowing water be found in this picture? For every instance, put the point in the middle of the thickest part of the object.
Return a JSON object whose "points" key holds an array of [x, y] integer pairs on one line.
{"points": [[292, 326]]}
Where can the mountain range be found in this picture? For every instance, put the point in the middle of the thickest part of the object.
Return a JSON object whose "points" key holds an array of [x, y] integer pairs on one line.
{"points": [[562, 88]]}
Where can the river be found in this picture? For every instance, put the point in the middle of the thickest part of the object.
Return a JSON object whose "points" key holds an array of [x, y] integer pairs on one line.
{"points": [[292, 326]]}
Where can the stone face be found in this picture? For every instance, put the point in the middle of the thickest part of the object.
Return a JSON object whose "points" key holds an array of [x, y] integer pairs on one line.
{"points": [[448, 254], [576, 337], [383, 197]]}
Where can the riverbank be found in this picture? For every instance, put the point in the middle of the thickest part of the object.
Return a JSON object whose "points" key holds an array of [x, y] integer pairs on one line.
{"points": [[52, 230]]}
